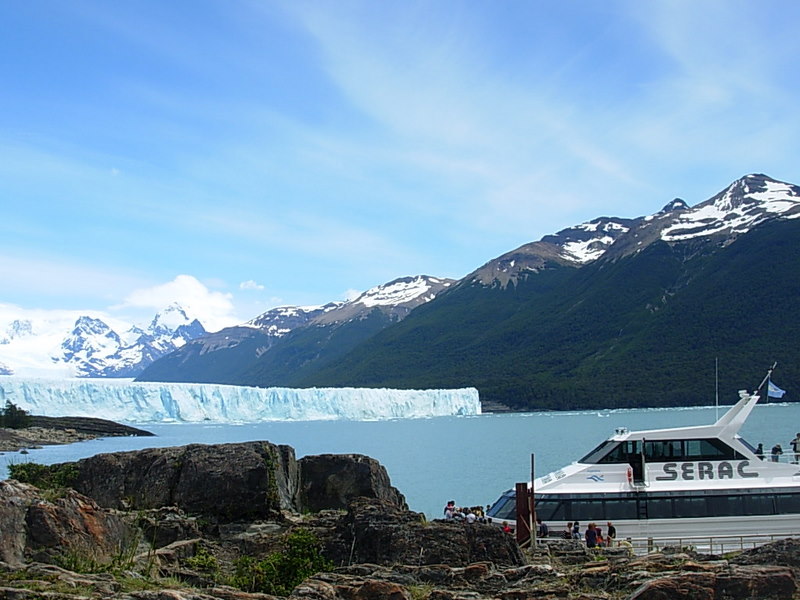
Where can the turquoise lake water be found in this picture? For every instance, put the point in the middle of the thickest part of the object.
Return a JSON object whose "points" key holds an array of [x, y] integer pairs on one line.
{"points": [[467, 459]]}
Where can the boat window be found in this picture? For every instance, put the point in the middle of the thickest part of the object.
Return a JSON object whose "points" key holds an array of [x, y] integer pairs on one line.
{"points": [[787, 503], [663, 450], [657, 508], [630, 451], [759, 504], [551, 510], [615, 510], [711, 449], [725, 506], [505, 507], [690, 507], [623, 452], [596, 455]]}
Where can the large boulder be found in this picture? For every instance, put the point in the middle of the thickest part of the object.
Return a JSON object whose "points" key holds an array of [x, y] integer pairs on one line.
{"points": [[248, 480], [380, 532], [71, 527], [331, 481], [226, 482]]}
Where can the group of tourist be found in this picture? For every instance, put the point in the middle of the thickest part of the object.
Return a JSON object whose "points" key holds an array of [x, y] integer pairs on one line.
{"points": [[592, 535], [777, 451], [467, 514]]}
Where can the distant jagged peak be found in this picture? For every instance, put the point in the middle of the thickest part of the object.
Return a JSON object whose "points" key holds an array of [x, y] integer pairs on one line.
{"points": [[572, 247], [279, 321], [403, 291], [678, 204], [396, 299], [588, 241], [16, 329], [738, 208], [169, 319], [90, 325]]}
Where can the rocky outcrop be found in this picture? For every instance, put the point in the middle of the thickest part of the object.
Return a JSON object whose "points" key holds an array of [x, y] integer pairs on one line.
{"points": [[332, 480], [62, 430], [174, 523], [380, 532], [230, 482], [245, 481], [72, 525]]}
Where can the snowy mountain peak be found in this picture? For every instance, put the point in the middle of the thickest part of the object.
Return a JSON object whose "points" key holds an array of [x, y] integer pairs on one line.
{"points": [[18, 328], [675, 205], [588, 241], [401, 291], [90, 340], [279, 321], [738, 208], [169, 319]]}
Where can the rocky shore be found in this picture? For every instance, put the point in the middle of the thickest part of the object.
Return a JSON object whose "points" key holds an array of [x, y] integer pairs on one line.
{"points": [[211, 522], [62, 430]]}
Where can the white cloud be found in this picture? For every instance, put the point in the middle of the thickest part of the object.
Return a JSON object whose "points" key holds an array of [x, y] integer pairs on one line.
{"points": [[351, 294], [250, 285], [215, 310]]}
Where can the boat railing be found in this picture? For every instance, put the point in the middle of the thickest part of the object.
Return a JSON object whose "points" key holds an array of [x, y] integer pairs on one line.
{"points": [[717, 544]]}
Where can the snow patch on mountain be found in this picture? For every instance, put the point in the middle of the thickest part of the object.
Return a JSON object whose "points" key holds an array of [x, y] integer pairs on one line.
{"points": [[744, 204], [400, 291], [183, 402], [588, 241]]}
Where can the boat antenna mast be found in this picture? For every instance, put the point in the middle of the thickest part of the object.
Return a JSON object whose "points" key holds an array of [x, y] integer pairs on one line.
{"points": [[766, 378]]}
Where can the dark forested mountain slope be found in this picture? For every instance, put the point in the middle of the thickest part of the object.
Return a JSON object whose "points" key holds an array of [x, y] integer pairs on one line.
{"points": [[609, 313], [641, 329]]}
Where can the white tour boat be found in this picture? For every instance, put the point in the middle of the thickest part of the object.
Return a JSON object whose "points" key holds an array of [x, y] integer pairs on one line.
{"points": [[683, 482]]}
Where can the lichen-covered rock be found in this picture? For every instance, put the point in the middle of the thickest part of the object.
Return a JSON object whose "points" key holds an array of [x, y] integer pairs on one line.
{"points": [[15, 500], [72, 525]]}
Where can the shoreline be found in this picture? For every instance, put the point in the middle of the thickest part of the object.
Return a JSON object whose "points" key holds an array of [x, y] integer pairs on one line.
{"points": [[48, 431]]}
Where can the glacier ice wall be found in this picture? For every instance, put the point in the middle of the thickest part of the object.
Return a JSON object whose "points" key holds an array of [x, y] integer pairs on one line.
{"points": [[136, 402]]}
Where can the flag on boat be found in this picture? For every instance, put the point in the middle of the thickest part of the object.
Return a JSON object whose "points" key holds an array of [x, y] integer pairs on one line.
{"points": [[773, 391]]}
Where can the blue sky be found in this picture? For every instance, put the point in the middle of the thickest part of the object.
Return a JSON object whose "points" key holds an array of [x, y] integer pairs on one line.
{"points": [[249, 154]]}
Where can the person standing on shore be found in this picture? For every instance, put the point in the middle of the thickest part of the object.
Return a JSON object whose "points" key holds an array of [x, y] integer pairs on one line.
{"points": [[612, 533], [590, 536]]}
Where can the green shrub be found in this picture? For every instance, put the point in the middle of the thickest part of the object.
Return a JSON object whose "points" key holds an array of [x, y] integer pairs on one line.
{"points": [[14, 417], [43, 476], [281, 572]]}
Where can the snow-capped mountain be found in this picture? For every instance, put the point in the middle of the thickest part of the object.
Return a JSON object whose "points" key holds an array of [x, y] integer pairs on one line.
{"points": [[70, 344], [737, 209], [293, 333]]}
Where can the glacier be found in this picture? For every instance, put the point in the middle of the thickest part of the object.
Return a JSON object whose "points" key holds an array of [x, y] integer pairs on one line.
{"points": [[141, 402]]}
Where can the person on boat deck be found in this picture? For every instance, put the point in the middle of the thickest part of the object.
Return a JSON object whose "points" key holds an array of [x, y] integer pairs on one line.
{"points": [[612, 533], [795, 444], [590, 536], [776, 452], [760, 451]]}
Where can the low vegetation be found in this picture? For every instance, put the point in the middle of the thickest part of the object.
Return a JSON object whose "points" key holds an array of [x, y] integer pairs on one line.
{"points": [[280, 572], [14, 417]]}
